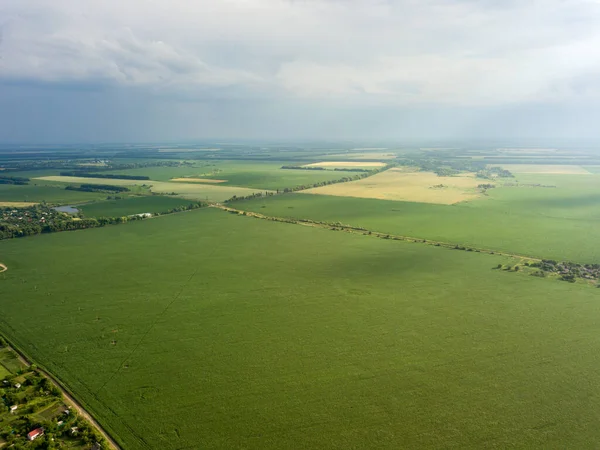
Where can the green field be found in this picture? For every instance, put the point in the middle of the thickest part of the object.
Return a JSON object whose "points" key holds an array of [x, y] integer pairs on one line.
{"points": [[9, 363], [209, 330], [3, 372], [251, 174], [558, 223], [190, 191], [50, 194], [132, 205]]}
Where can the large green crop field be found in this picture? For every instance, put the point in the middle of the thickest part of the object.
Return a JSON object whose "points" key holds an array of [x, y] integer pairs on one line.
{"points": [[551, 222], [209, 330], [132, 205], [251, 174]]}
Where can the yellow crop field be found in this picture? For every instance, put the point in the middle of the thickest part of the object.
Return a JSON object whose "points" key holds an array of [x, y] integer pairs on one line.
{"points": [[545, 168], [398, 184], [16, 204]]}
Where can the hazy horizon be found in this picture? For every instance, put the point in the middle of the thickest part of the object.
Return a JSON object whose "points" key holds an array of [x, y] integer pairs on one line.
{"points": [[299, 70]]}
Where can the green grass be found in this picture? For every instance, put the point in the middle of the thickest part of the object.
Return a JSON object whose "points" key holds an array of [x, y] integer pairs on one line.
{"points": [[50, 194], [558, 223], [256, 175], [209, 330], [132, 205], [3, 372], [9, 361]]}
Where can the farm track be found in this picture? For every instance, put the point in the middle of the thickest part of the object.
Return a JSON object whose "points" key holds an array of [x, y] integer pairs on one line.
{"points": [[3, 268], [363, 231], [69, 399]]}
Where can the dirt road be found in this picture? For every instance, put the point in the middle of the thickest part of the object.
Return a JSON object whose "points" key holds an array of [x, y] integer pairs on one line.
{"points": [[70, 401]]}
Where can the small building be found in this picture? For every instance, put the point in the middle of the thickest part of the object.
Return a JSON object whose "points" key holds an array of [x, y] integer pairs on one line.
{"points": [[33, 435], [18, 386], [13, 408], [74, 431]]}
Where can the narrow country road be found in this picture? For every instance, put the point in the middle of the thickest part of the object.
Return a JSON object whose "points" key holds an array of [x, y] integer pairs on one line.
{"points": [[70, 400]]}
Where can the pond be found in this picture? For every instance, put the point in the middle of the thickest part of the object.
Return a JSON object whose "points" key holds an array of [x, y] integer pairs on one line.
{"points": [[67, 209]]}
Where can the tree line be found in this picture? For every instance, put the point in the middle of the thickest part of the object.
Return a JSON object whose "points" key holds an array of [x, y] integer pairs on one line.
{"points": [[97, 188], [40, 219], [13, 180], [337, 169], [103, 175], [302, 187]]}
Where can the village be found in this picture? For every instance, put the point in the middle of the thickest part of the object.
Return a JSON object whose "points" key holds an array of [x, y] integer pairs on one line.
{"points": [[569, 271], [33, 412]]}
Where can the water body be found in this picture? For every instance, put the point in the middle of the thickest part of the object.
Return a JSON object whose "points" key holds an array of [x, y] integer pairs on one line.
{"points": [[67, 209]]}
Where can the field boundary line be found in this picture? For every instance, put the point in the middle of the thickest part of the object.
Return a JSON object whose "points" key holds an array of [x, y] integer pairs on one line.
{"points": [[150, 328], [68, 397], [364, 231]]}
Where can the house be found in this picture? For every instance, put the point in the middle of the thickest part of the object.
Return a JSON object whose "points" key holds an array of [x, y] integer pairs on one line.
{"points": [[32, 435], [18, 386], [13, 408], [74, 431]]}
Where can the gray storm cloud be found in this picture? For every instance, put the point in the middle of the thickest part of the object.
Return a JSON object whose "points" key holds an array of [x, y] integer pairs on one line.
{"points": [[289, 57]]}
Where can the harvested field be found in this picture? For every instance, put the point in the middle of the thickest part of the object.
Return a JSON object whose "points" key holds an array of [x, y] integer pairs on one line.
{"points": [[16, 204], [396, 184], [343, 164], [198, 180], [545, 168]]}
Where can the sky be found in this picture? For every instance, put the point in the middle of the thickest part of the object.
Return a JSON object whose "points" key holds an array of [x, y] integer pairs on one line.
{"points": [[168, 70]]}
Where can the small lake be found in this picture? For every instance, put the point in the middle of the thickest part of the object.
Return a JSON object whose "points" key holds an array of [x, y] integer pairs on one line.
{"points": [[67, 209]]}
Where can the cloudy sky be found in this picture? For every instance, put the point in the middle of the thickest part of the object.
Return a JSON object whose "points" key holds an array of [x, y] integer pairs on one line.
{"points": [[147, 70]]}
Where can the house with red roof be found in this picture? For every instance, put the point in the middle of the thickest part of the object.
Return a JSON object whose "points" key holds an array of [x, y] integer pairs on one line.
{"points": [[32, 435]]}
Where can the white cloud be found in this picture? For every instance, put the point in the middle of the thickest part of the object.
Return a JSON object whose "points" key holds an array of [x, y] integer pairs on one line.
{"points": [[399, 52]]}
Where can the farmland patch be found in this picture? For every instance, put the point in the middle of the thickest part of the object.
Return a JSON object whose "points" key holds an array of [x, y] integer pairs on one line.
{"points": [[344, 164], [545, 168], [16, 204], [133, 205], [397, 184], [198, 180], [366, 156], [192, 191]]}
